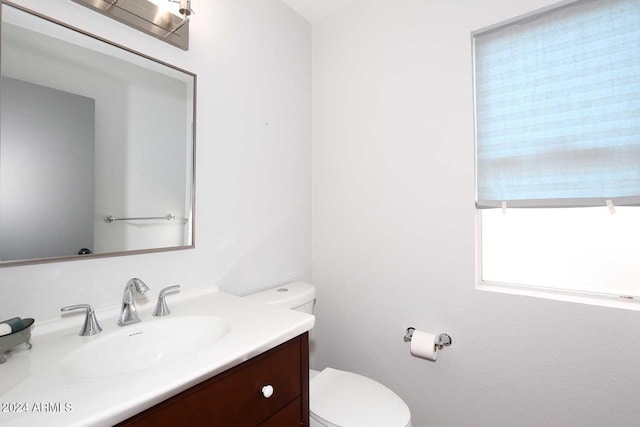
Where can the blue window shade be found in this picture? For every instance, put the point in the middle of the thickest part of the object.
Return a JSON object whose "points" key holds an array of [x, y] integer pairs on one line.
{"points": [[557, 100]]}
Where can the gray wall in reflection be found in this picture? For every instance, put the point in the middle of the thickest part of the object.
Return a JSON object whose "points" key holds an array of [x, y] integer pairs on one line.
{"points": [[46, 171]]}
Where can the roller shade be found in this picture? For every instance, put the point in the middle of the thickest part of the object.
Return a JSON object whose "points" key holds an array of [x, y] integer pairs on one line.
{"points": [[557, 104]]}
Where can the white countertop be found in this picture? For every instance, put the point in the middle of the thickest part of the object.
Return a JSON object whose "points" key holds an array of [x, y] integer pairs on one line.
{"points": [[34, 391]]}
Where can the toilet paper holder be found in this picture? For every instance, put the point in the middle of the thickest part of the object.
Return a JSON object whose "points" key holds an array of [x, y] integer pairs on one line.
{"points": [[444, 340]]}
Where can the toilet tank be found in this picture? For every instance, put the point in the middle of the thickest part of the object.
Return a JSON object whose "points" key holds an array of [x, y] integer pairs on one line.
{"points": [[295, 296]]}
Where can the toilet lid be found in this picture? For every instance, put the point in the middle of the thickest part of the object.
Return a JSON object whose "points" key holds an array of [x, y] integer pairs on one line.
{"points": [[350, 400]]}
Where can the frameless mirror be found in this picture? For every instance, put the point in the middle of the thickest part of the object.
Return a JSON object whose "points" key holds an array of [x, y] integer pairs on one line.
{"points": [[96, 146]]}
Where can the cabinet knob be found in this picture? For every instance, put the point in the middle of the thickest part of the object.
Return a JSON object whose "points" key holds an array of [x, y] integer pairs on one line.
{"points": [[267, 391]]}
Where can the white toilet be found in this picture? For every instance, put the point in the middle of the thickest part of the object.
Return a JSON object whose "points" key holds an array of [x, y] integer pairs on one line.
{"points": [[339, 398]]}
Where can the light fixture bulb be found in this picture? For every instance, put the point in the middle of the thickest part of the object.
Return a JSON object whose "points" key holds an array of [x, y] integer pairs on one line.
{"points": [[169, 6], [185, 7]]}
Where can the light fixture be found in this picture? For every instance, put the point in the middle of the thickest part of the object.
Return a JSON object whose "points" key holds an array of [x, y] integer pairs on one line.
{"points": [[167, 20]]}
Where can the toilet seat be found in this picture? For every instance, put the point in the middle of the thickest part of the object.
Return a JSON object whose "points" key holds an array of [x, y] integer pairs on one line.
{"points": [[344, 399]]}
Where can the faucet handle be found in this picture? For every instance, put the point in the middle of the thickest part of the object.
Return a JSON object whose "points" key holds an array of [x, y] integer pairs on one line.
{"points": [[91, 326], [161, 306]]}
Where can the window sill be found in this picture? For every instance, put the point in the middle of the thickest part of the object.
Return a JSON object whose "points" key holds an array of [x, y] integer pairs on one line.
{"points": [[602, 300]]}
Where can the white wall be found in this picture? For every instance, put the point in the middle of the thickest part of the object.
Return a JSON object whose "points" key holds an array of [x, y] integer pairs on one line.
{"points": [[393, 236], [252, 58], [155, 161]]}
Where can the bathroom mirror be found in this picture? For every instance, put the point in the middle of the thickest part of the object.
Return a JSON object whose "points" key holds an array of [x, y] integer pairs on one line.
{"points": [[97, 147]]}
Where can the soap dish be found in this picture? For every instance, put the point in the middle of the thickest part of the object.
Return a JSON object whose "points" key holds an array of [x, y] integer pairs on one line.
{"points": [[14, 339]]}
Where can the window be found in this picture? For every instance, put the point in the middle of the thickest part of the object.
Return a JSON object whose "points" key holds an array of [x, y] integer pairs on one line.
{"points": [[557, 110]]}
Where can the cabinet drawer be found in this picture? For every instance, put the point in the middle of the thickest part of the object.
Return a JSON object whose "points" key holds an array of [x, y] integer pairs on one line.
{"points": [[234, 398], [280, 370], [289, 416]]}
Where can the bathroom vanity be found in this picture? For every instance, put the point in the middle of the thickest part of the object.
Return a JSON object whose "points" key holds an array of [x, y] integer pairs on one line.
{"points": [[216, 360], [270, 390]]}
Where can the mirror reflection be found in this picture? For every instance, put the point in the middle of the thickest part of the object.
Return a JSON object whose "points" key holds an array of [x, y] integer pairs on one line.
{"points": [[88, 131]]}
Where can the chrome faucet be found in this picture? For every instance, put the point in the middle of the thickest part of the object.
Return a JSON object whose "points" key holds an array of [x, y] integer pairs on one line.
{"points": [[161, 309], [128, 313], [91, 325]]}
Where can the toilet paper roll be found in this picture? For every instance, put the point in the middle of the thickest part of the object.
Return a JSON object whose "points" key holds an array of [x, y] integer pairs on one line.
{"points": [[423, 344]]}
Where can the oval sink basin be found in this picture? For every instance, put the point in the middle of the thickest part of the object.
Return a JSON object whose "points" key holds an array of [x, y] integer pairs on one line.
{"points": [[143, 345]]}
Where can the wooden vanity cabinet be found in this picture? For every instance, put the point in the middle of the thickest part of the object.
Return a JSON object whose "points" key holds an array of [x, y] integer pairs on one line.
{"points": [[235, 398]]}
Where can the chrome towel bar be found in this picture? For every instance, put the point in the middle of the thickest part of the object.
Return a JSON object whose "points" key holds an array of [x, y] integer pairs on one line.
{"points": [[110, 218]]}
